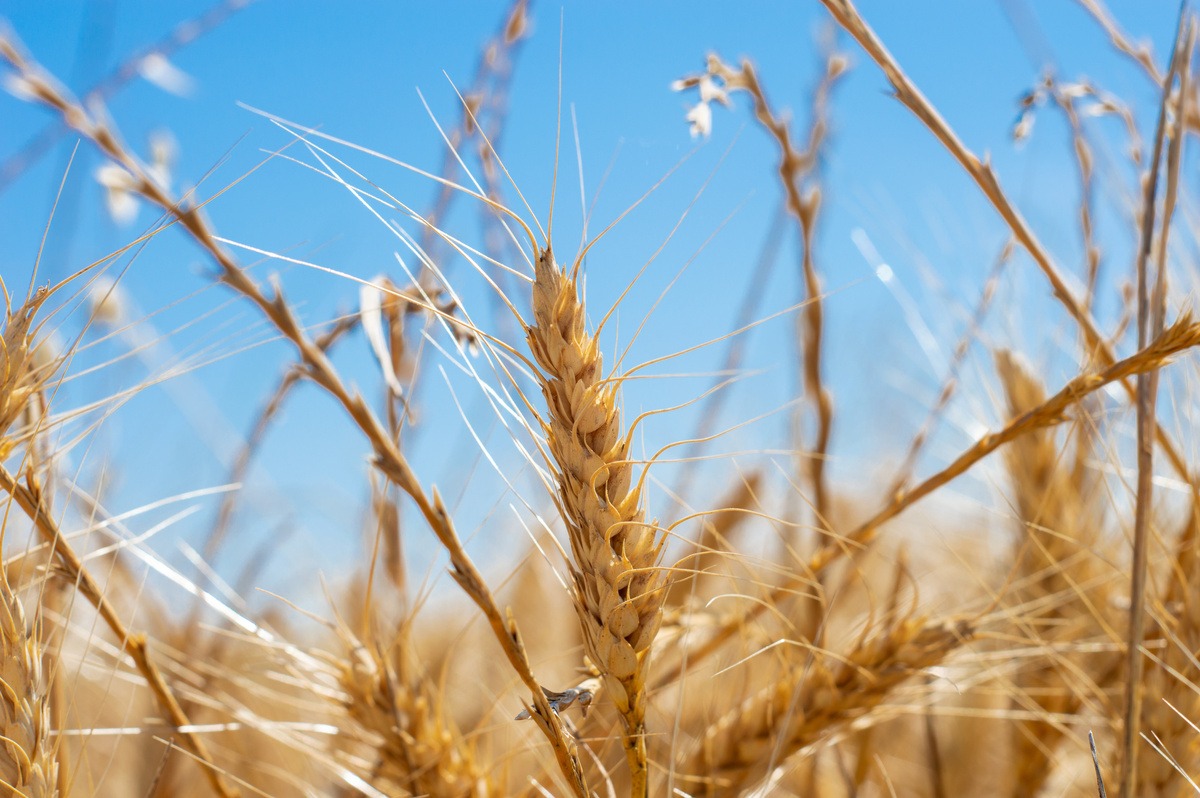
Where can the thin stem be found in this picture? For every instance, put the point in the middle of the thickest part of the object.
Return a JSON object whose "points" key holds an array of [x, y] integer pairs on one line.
{"points": [[1147, 384]]}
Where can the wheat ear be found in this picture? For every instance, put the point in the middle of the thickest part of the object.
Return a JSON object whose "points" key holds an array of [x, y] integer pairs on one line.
{"points": [[418, 752], [815, 700], [617, 584], [27, 761]]}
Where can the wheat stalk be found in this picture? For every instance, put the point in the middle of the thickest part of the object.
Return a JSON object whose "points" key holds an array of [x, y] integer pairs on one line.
{"points": [[1171, 701]]}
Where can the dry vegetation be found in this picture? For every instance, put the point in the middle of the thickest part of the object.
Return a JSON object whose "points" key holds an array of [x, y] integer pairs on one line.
{"points": [[853, 658]]}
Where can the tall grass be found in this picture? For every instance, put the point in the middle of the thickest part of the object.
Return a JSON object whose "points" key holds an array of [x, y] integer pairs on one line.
{"points": [[791, 635]]}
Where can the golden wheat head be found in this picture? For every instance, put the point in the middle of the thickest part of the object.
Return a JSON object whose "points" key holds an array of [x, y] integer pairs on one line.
{"points": [[616, 551]]}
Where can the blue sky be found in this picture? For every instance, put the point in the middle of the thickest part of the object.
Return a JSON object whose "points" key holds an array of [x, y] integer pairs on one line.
{"points": [[354, 71]]}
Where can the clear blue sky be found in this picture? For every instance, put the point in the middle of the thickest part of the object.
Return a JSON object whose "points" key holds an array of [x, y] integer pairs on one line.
{"points": [[353, 70]]}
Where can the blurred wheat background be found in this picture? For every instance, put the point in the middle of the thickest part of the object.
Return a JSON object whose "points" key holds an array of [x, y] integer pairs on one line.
{"points": [[516, 399]]}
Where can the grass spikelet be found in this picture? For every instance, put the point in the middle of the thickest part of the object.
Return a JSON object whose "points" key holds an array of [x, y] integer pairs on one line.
{"points": [[616, 551]]}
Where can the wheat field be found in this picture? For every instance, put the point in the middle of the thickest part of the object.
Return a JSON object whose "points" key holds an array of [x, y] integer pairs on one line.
{"points": [[583, 547]]}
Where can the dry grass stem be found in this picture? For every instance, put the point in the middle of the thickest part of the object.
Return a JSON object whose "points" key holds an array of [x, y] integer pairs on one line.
{"points": [[1170, 699], [796, 170], [1149, 327]]}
